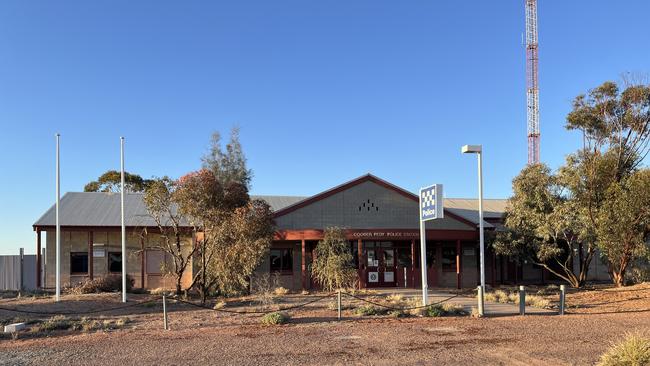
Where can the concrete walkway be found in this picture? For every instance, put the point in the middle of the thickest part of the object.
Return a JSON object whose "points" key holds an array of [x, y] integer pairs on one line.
{"points": [[467, 301]]}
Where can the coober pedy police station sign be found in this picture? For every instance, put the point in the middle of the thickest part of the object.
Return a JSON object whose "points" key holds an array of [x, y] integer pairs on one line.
{"points": [[431, 206]]}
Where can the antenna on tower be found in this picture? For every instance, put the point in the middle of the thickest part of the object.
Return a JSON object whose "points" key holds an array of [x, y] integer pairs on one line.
{"points": [[532, 88]]}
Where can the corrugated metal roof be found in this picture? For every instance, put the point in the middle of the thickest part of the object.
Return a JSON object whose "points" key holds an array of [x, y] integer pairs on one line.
{"points": [[103, 209], [98, 209], [468, 208], [279, 202]]}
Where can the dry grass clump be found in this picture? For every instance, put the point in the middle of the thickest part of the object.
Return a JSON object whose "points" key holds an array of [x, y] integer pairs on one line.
{"points": [[60, 322], [548, 290], [109, 283], [633, 350], [395, 298], [504, 297], [219, 305], [474, 313], [159, 291], [451, 308], [280, 291]]}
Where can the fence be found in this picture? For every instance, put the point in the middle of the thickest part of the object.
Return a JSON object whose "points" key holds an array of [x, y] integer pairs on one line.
{"points": [[18, 272]]}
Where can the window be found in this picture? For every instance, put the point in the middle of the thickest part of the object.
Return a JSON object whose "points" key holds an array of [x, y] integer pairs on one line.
{"points": [[114, 262], [281, 260], [78, 262], [449, 259]]}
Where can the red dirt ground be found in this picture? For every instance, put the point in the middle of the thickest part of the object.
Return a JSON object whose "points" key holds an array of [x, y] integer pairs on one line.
{"points": [[315, 337]]}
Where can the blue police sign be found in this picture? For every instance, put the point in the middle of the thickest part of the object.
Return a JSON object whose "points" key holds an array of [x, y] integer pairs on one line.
{"points": [[431, 206]]}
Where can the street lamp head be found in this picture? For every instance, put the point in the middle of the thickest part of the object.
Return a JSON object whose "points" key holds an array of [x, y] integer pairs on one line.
{"points": [[471, 149]]}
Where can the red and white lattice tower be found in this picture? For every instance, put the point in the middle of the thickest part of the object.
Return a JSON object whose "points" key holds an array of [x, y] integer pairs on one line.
{"points": [[532, 89]]}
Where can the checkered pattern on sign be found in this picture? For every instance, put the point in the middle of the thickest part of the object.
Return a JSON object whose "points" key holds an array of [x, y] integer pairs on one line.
{"points": [[428, 198]]}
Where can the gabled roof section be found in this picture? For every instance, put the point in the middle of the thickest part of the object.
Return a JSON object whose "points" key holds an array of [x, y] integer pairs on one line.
{"points": [[342, 187], [460, 208]]}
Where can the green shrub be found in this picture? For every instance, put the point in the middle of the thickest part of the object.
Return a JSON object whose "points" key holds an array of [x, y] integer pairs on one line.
{"points": [[398, 314], [435, 311], [368, 310], [633, 350], [275, 318]]}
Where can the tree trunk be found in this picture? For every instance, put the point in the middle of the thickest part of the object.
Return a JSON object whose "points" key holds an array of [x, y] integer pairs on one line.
{"points": [[618, 277]]}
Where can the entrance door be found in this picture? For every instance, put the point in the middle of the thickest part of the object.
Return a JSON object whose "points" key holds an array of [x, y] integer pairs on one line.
{"points": [[380, 260]]}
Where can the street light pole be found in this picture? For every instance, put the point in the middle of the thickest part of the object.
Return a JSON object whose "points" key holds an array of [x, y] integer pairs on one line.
{"points": [[480, 219], [122, 219], [478, 149]]}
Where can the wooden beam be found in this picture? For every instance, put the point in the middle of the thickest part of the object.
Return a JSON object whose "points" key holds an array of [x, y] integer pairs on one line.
{"points": [[91, 267], [142, 261], [458, 264], [413, 263], [38, 259], [303, 264], [362, 276]]}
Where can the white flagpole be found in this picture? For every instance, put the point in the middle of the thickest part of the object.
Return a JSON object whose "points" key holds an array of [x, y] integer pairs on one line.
{"points": [[123, 228], [58, 226]]}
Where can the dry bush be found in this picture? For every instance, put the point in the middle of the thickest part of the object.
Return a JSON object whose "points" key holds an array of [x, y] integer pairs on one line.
{"points": [[109, 283], [265, 286], [633, 350]]}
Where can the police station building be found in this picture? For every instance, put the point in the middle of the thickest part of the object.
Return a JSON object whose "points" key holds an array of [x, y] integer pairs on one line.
{"points": [[381, 223]]}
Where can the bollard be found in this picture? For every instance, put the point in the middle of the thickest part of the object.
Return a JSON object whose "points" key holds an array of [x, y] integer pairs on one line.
{"points": [[165, 312], [522, 300], [481, 311], [338, 301], [562, 298]]}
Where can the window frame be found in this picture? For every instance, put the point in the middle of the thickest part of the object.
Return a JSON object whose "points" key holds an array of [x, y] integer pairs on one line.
{"points": [[282, 270], [454, 261], [80, 254], [108, 267]]}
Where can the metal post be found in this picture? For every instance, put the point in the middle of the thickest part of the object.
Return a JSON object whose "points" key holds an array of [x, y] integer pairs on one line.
{"points": [[480, 219], [58, 225], [338, 301], [423, 258], [481, 310], [123, 228], [562, 298], [522, 300], [164, 300], [22, 269]]}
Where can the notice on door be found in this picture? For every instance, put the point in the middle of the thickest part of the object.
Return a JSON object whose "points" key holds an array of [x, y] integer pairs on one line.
{"points": [[373, 276], [389, 276]]}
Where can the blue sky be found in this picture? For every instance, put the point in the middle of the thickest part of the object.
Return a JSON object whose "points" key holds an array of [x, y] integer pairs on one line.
{"points": [[324, 91]]}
